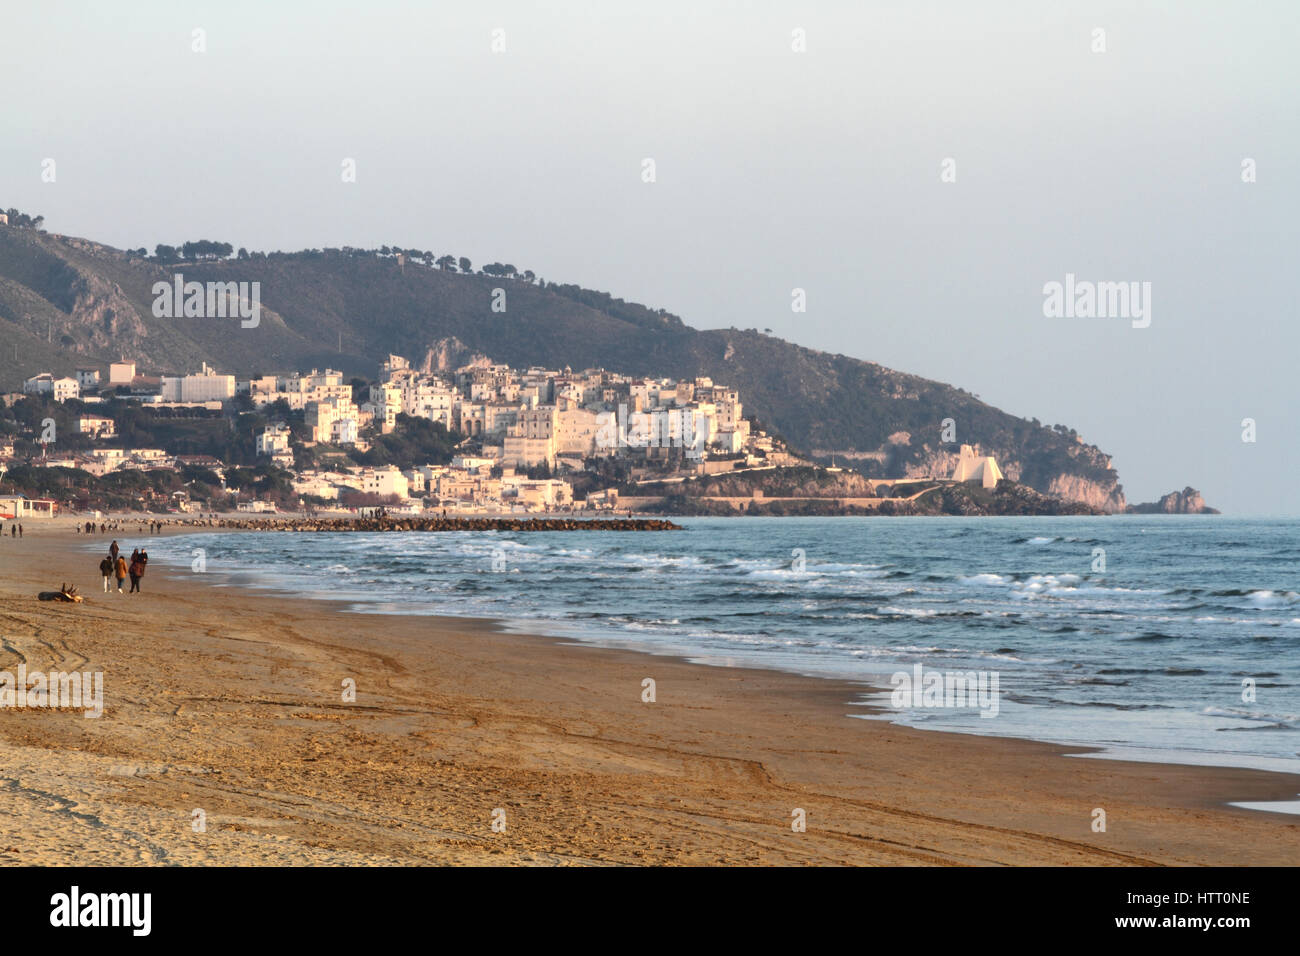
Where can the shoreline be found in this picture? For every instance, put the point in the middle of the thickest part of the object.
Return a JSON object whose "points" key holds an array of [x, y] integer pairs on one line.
{"points": [[874, 685], [229, 700]]}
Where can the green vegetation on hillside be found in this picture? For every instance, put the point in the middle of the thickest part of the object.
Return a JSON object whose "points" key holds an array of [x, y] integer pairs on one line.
{"points": [[417, 441]]}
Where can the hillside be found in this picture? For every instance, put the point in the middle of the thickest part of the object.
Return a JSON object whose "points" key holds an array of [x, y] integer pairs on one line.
{"points": [[66, 301]]}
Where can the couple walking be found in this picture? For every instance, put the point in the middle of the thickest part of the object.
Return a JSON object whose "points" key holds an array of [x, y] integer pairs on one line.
{"points": [[116, 566]]}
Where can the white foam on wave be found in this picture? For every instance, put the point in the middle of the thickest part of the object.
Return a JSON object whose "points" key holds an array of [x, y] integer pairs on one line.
{"points": [[780, 574], [908, 611], [1065, 585], [1235, 713], [1268, 598], [985, 579], [656, 562]]}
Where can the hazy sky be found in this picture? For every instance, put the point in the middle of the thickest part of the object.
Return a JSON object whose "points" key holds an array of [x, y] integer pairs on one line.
{"points": [[775, 170]]}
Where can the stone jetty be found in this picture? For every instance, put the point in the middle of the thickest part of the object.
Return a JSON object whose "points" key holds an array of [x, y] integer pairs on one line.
{"points": [[399, 523]]}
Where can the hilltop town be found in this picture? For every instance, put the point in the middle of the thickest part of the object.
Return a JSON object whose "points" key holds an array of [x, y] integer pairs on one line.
{"points": [[479, 438], [496, 439], [67, 301]]}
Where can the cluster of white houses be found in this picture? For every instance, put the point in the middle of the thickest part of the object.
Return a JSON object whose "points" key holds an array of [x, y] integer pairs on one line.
{"points": [[207, 388], [523, 418], [467, 484], [518, 419], [514, 419]]}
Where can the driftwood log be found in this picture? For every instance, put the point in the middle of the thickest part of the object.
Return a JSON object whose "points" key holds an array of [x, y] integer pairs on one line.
{"points": [[64, 593]]}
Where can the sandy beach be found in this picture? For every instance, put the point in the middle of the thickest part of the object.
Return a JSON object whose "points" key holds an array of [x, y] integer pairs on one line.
{"points": [[231, 703]]}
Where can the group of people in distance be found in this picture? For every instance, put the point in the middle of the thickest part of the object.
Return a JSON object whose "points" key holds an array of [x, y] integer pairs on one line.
{"points": [[155, 527], [116, 566]]}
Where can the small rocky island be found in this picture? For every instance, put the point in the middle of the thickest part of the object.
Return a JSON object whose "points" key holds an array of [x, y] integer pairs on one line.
{"points": [[1185, 502]]}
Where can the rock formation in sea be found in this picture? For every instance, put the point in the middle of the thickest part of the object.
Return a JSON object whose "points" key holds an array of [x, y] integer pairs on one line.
{"points": [[1185, 502]]}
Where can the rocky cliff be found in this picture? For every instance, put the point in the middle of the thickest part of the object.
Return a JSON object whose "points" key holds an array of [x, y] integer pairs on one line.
{"points": [[1083, 474]]}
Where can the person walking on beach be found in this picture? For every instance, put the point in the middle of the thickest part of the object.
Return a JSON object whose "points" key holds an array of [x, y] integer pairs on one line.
{"points": [[106, 569], [113, 549], [136, 571], [119, 568]]}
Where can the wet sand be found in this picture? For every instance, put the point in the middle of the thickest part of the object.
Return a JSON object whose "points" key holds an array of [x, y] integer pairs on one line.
{"points": [[232, 704]]}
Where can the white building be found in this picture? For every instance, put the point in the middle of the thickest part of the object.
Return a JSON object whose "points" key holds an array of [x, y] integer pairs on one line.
{"points": [[472, 465], [386, 399], [39, 384], [300, 390], [427, 400], [332, 419], [972, 467], [316, 485], [207, 386], [149, 456], [274, 442], [261, 391], [393, 364], [109, 455], [576, 429], [19, 507], [536, 494], [61, 389], [97, 427], [469, 418], [731, 442], [121, 373], [384, 481], [415, 481], [343, 431], [531, 440]]}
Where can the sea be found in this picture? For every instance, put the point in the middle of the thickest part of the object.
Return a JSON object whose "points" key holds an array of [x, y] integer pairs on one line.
{"points": [[1164, 638]]}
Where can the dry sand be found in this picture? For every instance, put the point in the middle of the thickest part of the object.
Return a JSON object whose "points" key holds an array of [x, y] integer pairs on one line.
{"points": [[232, 704]]}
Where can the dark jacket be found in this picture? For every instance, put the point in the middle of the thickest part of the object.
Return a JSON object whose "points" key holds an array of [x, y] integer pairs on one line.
{"points": [[106, 567]]}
